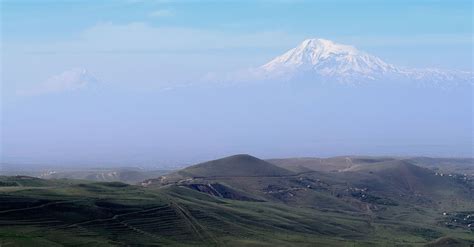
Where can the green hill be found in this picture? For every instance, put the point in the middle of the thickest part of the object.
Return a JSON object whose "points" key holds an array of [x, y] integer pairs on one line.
{"points": [[325, 164], [445, 165], [404, 175], [241, 165]]}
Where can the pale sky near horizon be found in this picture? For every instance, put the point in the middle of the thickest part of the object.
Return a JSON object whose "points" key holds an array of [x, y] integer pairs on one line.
{"points": [[143, 46]]}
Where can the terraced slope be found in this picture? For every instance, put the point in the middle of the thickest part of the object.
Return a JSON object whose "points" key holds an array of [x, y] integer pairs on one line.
{"points": [[116, 214]]}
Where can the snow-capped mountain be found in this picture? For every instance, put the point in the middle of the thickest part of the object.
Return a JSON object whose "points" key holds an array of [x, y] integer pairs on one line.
{"points": [[323, 59], [69, 80]]}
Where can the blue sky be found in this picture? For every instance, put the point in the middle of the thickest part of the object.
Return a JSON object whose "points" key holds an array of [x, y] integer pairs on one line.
{"points": [[136, 48], [215, 36]]}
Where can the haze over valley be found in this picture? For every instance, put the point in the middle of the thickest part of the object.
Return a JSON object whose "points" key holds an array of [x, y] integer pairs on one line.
{"points": [[318, 99]]}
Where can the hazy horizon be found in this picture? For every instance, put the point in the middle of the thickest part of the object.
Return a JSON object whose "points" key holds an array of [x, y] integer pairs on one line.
{"points": [[172, 82]]}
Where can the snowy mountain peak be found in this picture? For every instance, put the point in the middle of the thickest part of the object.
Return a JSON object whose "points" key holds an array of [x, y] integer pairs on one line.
{"points": [[69, 80], [327, 60], [326, 47]]}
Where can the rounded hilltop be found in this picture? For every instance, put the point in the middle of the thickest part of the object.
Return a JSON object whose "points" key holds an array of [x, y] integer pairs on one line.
{"points": [[240, 165]]}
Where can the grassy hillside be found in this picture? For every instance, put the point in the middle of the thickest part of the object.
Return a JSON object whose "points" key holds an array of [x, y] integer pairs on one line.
{"points": [[98, 214], [243, 201], [446, 165], [326, 164], [117, 214]]}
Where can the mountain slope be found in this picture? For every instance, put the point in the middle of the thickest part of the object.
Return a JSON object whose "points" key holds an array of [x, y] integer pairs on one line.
{"points": [[321, 59]]}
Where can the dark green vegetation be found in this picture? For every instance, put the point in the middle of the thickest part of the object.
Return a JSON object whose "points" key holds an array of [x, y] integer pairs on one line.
{"points": [[241, 200]]}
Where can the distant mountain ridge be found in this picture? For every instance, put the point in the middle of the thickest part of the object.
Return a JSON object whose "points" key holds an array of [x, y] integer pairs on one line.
{"points": [[321, 59]]}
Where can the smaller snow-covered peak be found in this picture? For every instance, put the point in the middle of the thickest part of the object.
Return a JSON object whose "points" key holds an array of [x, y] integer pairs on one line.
{"points": [[69, 80]]}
